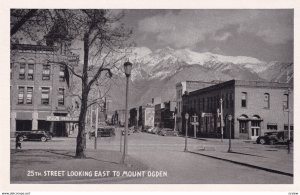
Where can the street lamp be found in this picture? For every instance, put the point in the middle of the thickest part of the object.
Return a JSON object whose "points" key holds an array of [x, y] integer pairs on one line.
{"points": [[186, 129], [127, 68], [229, 118]]}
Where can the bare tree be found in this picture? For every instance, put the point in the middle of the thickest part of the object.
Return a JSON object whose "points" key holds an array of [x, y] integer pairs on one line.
{"points": [[103, 39]]}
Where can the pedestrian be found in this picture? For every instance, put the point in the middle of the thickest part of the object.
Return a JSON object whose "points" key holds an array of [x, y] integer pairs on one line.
{"points": [[18, 142]]}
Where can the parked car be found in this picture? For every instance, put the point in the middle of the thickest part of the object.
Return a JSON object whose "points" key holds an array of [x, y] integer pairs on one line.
{"points": [[273, 137], [167, 132], [104, 132], [34, 135]]}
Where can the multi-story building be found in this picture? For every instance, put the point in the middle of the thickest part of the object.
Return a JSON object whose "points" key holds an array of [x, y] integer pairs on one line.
{"points": [[39, 87], [256, 107], [186, 87]]}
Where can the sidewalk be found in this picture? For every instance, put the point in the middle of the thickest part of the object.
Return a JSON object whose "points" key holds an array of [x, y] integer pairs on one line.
{"points": [[271, 158]]}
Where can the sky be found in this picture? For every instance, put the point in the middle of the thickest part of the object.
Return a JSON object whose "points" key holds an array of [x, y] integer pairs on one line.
{"points": [[264, 34]]}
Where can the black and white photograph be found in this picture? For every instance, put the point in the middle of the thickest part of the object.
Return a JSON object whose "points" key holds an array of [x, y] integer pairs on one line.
{"points": [[151, 96]]}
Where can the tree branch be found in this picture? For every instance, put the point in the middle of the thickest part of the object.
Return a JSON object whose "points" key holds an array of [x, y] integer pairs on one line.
{"points": [[23, 20]]}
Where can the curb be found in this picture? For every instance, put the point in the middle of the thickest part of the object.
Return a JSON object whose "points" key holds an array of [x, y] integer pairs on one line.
{"points": [[246, 164]]}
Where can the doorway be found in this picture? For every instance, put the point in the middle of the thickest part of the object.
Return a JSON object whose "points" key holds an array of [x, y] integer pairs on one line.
{"points": [[255, 128]]}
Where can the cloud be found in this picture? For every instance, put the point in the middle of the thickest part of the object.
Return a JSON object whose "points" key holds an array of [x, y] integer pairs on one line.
{"points": [[186, 28]]}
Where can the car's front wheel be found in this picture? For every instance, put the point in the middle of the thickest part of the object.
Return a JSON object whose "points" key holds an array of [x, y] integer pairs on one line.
{"points": [[43, 139], [262, 141]]}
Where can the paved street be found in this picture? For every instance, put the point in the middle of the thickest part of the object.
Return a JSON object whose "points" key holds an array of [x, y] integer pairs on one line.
{"points": [[165, 154]]}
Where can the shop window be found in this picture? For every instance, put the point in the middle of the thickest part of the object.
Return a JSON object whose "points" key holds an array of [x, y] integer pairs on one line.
{"points": [[29, 95], [61, 96], [267, 100], [46, 72], [22, 71], [45, 95], [244, 100], [21, 95]]}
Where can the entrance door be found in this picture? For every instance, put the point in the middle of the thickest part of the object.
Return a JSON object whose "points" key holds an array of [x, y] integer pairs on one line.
{"points": [[255, 127], [254, 132]]}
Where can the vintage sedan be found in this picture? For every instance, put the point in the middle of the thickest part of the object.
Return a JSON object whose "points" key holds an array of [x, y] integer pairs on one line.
{"points": [[273, 137], [38, 135]]}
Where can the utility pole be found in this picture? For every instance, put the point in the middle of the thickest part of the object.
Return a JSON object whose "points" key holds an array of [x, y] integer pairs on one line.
{"points": [[288, 111], [221, 118], [229, 118], [288, 78]]}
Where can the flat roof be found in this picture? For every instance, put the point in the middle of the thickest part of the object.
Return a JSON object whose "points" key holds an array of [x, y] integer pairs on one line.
{"points": [[237, 83]]}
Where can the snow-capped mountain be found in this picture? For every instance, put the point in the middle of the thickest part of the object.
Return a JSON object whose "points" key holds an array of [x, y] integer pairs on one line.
{"points": [[165, 62], [155, 73]]}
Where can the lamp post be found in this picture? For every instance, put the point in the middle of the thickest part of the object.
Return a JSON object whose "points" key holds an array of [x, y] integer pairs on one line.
{"points": [[186, 129], [127, 68], [221, 119], [229, 118]]}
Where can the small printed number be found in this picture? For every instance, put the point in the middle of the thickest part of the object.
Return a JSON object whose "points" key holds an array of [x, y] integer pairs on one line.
{"points": [[30, 173]]}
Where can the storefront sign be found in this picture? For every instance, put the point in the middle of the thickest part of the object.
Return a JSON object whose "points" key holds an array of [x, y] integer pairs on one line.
{"points": [[62, 118]]}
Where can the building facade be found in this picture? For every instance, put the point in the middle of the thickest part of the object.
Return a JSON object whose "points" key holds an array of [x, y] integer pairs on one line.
{"points": [[256, 107], [186, 87], [39, 87]]}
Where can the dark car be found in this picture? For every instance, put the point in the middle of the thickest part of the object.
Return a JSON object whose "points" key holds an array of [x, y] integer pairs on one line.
{"points": [[104, 132], [34, 135], [273, 137], [167, 132]]}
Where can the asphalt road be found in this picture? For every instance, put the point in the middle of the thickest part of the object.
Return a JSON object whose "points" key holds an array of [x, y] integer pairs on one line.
{"points": [[170, 164]]}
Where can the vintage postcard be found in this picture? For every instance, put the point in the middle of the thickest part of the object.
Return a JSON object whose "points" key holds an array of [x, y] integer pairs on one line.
{"points": [[170, 95]]}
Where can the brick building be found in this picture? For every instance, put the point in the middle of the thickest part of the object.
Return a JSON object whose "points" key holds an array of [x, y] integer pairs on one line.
{"points": [[187, 86], [256, 107], [39, 88]]}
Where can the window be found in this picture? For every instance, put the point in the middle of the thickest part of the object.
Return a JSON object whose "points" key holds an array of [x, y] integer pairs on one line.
{"points": [[46, 72], [266, 100], [22, 71], [21, 95], [272, 126], [30, 72], [286, 127], [207, 108], [29, 95], [61, 96], [243, 127], [231, 100], [285, 101], [11, 72], [62, 73], [226, 100], [244, 100], [45, 95]]}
